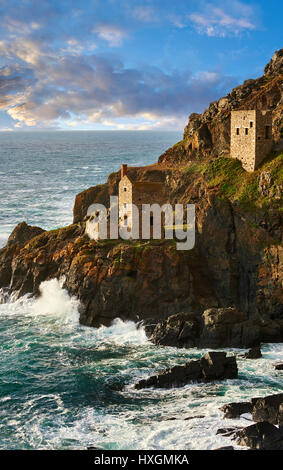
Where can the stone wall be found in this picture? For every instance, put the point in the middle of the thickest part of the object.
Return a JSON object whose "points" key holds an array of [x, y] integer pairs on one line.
{"points": [[249, 142], [243, 137], [263, 144]]}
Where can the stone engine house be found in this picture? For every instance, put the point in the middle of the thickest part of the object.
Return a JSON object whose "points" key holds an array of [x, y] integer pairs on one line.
{"points": [[251, 137], [138, 193]]}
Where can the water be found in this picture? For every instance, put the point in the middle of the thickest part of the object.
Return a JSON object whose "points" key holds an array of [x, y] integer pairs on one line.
{"points": [[41, 172], [58, 379]]}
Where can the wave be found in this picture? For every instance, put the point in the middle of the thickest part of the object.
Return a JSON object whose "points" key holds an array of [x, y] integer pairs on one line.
{"points": [[56, 304]]}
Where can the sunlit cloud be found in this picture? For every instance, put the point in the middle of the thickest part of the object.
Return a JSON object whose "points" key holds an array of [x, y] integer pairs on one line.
{"points": [[230, 19], [110, 33]]}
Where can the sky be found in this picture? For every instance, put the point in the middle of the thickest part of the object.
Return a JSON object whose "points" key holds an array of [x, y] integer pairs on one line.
{"points": [[127, 64]]}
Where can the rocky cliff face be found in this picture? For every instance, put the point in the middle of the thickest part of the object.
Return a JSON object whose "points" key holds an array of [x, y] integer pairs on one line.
{"points": [[207, 135], [224, 292]]}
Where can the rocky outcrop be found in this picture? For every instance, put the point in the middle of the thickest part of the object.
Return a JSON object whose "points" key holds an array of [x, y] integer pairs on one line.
{"points": [[213, 366], [22, 233], [235, 410], [216, 327], [253, 353], [207, 135], [269, 409], [260, 436], [227, 291]]}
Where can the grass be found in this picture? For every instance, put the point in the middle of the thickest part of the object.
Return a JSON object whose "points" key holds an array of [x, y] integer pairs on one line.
{"points": [[237, 184]]}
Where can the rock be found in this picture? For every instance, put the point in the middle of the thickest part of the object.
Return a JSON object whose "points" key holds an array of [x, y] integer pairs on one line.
{"points": [[227, 432], [216, 365], [278, 366], [222, 327], [235, 410], [181, 330], [254, 353], [22, 233], [263, 435], [225, 448], [267, 408], [213, 366]]}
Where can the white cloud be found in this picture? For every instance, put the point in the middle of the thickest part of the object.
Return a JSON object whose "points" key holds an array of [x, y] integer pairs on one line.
{"points": [[41, 88], [110, 33], [145, 14], [230, 19]]}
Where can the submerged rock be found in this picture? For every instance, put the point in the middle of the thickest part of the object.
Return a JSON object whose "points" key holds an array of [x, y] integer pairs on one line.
{"points": [[227, 432], [213, 366]]}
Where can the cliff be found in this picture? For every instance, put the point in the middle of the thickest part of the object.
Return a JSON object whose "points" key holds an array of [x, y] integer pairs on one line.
{"points": [[224, 292], [207, 135]]}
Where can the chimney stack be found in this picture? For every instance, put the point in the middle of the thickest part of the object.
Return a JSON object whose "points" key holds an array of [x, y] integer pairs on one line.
{"points": [[124, 168]]}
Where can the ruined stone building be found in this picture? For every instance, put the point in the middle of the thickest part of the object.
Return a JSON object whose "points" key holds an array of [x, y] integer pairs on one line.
{"points": [[138, 193], [251, 137]]}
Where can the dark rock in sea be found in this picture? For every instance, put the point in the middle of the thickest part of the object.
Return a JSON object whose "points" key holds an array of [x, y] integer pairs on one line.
{"points": [[117, 387], [181, 330], [212, 366], [267, 409], [228, 431], [278, 366], [253, 353], [185, 418], [235, 410], [93, 448], [225, 448], [263, 436]]}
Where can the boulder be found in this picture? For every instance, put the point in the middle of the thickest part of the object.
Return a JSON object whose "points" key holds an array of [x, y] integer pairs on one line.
{"points": [[253, 353], [263, 435], [267, 408], [278, 366], [216, 365], [213, 366], [222, 327], [179, 330], [235, 410]]}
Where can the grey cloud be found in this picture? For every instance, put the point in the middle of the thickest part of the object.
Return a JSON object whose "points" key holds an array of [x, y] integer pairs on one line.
{"points": [[92, 87]]}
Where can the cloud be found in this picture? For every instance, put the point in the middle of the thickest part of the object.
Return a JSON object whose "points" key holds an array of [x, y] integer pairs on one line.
{"points": [[43, 89], [229, 19], [113, 34], [145, 14]]}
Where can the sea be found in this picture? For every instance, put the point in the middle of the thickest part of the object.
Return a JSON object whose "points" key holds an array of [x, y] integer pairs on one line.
{"points": [[60, 382]]}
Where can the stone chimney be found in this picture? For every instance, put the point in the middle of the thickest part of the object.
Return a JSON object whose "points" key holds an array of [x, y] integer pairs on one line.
{"points": [[124, 168]]}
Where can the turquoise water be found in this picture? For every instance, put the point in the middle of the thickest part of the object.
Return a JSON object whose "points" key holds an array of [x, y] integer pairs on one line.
{"points": [[59, 381]]}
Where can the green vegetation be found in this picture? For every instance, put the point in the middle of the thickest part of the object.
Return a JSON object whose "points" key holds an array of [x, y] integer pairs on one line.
{"points": [[194, 168], [237, 184]]}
